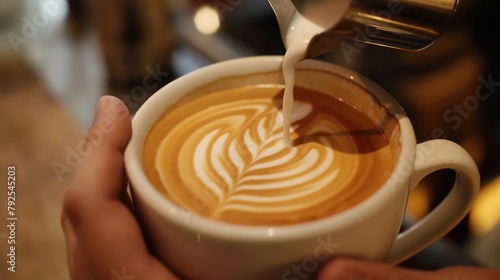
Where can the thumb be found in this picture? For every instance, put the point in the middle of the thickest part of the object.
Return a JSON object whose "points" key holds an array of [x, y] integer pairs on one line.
{"points": [[106, 232], [105, 142], [347, 269]]}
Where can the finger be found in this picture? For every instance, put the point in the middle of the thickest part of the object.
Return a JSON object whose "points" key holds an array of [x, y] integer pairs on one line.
{"points": [[101, 174], [108, 234], [104, 146], [76, 262], [94, 138], [345, 269], [468, 273]]}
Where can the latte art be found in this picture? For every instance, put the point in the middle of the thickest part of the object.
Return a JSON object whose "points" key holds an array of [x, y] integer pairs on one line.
{"points": [[223, 156]]}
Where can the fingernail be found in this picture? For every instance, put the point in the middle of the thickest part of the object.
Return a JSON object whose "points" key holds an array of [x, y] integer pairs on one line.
{"points": [[119, 108], [102, 104]]}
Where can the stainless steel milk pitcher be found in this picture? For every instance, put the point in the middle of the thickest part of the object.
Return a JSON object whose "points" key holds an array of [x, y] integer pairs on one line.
{"points": [[401, 24]]}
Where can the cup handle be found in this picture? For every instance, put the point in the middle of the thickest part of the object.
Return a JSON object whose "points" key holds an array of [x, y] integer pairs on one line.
{"points": [[432, 156]]}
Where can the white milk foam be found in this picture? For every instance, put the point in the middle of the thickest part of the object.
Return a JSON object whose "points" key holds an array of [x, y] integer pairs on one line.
{"points": [[316, 17], [245, 178], [228, 161]]}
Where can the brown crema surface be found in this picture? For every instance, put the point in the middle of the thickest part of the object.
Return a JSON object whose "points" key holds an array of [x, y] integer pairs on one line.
{"points": [[222, 156]]}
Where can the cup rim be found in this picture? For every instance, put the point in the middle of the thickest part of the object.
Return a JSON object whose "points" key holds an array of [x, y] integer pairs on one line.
{"points": [[145, 191]]}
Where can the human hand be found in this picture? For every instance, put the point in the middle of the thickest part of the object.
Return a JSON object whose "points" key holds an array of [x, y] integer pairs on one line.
{"points": [[103, 238], [347, 269]]}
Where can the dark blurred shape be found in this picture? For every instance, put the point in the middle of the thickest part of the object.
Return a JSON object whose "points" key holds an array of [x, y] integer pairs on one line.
{"points": [[135, 37], [486, 25]]}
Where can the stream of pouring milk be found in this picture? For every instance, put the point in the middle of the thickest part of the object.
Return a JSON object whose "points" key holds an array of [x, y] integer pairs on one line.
{"points": [[315, 18]]}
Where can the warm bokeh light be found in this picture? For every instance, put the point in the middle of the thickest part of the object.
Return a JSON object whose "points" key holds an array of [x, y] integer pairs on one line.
{"points": [[485, 214], [207, 20], [419, 202]]}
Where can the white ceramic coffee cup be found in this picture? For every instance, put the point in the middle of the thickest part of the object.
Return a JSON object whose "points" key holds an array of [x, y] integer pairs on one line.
{"points": [[200, 248]]}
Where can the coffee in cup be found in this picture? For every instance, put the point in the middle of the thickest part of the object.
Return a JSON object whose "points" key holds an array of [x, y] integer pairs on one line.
{"points": [[197, 247], [221, 155]]}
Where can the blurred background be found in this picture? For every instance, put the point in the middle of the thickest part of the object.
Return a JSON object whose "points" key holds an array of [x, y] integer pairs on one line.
{"points": [[57, 57]]}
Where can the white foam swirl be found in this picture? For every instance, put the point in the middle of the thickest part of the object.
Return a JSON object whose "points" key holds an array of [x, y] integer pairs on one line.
{"points": [[228, 161], [261, 163]]}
